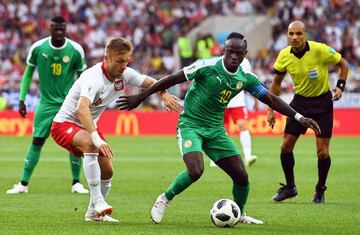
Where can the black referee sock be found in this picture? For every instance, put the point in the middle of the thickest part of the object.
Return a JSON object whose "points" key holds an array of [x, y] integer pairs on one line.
{"points": [[323, 169], [287, 163]]}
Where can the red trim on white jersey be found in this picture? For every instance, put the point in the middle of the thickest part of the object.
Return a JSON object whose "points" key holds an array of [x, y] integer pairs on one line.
{"points": [[106, 73]]}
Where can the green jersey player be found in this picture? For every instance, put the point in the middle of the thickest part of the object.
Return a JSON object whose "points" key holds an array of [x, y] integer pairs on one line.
{"points": [[57, 59], [200, 128]]}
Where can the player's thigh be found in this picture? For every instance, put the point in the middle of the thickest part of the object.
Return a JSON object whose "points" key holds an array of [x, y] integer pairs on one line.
{"points": [[219, 147], [189, 140], [82, 142], [63, 134], [43, 118]]}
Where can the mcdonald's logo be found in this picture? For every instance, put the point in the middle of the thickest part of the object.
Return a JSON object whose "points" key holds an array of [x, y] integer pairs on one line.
{"points": [[258, 125], [127, 124]]}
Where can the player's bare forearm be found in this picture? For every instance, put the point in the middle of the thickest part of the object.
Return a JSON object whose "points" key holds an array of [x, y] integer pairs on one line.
{"points": [[165, 83], [149, 81], [344, 69], [84, 114], [131, 102], [276, 85], [277, 104], [340, 85]]}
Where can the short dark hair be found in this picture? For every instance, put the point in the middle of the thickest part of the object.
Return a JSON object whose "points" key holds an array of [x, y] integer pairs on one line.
{"points": [[235, 35], [58, 20]]}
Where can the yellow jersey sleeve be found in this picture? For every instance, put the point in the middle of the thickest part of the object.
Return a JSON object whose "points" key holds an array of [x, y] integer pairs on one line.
{"points": [[329, 55], [279, 64]]}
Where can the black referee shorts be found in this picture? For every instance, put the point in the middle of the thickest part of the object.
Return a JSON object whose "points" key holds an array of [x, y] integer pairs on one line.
{"points": [[319, 108]]}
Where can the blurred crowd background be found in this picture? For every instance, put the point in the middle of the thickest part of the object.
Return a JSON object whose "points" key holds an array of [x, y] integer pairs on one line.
{"points": [[154, 26]]}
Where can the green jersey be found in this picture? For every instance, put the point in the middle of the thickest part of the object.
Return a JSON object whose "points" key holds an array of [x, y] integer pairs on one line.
{"points": [[56, 68], [212, 88]]}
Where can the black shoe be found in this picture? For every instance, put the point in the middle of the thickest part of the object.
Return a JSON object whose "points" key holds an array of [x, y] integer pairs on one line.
{"points": [[284, 192], [319, 197]]}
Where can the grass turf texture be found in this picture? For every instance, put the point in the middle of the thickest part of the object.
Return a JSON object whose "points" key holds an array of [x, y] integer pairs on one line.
{"points": [[145, 166]]}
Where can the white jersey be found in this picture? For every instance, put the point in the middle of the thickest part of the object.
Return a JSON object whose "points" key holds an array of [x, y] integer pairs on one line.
{"points": [[94, 85], [239, 99]]}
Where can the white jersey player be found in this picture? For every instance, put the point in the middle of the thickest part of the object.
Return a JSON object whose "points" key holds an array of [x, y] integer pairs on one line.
{"points": [[101, 92], [75, 129]]}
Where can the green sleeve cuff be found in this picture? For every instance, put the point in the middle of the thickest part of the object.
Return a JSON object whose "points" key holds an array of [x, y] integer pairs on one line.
{"points": [[26, 81]]}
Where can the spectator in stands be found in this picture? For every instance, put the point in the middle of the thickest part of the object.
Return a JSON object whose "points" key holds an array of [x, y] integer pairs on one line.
{"points": [[185, 49]]}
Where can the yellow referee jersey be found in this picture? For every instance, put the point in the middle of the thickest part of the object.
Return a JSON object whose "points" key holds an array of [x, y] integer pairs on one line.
{"points": [[309, 72]]}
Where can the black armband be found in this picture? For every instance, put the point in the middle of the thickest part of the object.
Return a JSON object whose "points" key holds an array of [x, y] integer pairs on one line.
{"points": [[341, 84]]}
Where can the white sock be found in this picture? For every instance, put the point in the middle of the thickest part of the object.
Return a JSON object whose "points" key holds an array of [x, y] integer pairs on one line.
{"points": [[245, 140], [105, 187], [92, 174], [164, 198]]}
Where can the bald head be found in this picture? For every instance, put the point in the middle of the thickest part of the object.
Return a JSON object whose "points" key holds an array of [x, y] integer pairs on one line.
{"points": [[297, 35], [297, 24]]}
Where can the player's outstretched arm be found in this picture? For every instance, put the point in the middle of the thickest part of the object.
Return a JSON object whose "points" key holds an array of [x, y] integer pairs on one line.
{"points": [[171, 102], [131, 102], [280, 106]]}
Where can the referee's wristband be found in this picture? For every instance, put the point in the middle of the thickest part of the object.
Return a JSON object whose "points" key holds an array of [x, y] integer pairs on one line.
{"points": [[298, 116], [341, 84]]}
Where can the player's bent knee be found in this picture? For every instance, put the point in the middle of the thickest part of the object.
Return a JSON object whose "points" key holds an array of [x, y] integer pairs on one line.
{"points": [[38, 141], [286, 148], [322, 153], [87, 146], [242, 179], [107, 172], [105, 175], [196, 173]]}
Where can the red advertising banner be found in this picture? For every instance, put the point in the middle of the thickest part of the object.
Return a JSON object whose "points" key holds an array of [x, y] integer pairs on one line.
{"points": [[346, 122]]}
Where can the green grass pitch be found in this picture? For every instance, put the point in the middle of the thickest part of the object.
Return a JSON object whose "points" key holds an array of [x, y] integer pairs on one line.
{"points": [[144, 167]]}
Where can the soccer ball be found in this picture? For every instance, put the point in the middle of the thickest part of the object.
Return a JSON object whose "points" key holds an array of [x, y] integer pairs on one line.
{"points": [[225, 213]]}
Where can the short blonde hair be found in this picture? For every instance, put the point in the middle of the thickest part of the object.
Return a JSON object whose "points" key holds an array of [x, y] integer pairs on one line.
{"points": [[119, 45]]}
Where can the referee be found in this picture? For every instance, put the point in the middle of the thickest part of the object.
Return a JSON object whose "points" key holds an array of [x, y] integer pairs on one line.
{"points": [[307, 63]]}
